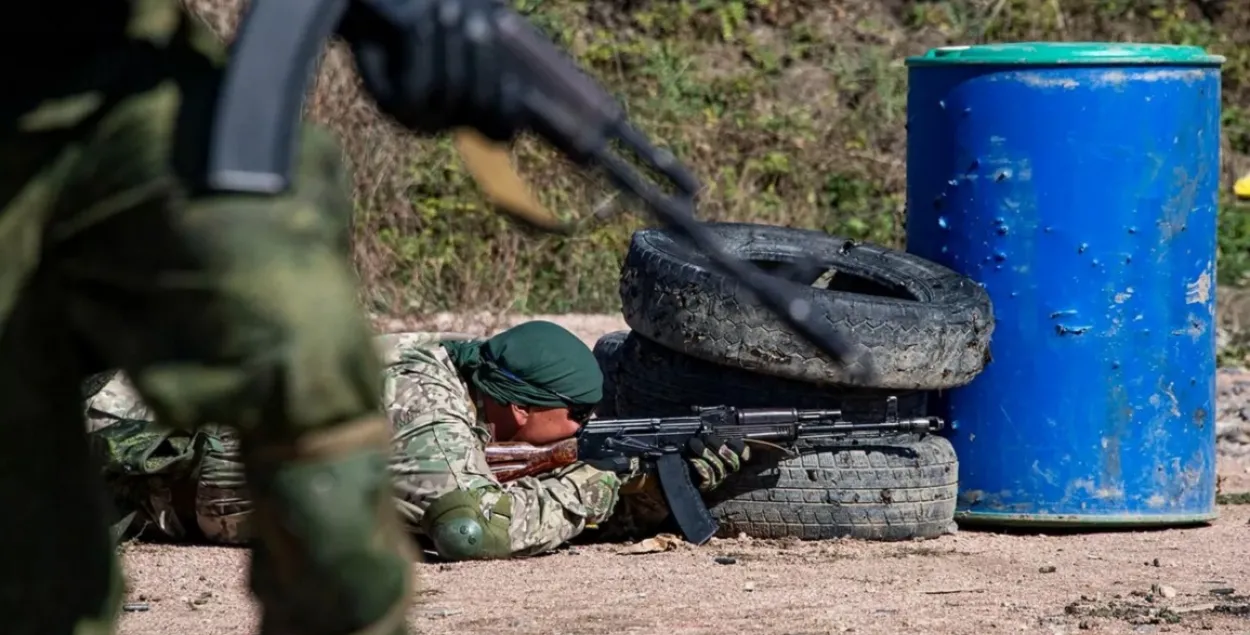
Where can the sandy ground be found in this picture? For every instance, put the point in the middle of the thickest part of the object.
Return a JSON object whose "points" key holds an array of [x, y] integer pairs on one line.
{"points": [[1185, 580], [968, 583]]}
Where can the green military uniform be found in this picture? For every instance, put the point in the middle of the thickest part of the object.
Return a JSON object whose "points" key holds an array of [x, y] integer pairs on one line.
{"points": [[227, 309], [439, 464], [178, 484], [184, 485]]}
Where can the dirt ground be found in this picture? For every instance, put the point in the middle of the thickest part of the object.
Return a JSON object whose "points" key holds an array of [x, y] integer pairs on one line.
{"points": [[1183, 580]]}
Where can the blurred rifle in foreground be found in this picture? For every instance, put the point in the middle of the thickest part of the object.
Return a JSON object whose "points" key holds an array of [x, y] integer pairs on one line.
{"points": [[627, 445], [478, 69]]}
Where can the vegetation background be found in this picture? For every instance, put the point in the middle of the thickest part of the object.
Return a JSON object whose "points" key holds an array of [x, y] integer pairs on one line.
{"points": [[792, 111]]}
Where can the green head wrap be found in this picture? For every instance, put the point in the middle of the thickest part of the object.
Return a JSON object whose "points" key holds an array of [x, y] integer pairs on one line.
{"points": [[532, 364]]}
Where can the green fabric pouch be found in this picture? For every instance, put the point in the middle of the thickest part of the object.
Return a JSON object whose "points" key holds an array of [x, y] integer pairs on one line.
{"points": [[131, 452], [145, 448]]}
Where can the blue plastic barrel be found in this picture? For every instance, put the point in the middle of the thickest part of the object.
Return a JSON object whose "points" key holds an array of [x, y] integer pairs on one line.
{"points": [[1078, 183]]}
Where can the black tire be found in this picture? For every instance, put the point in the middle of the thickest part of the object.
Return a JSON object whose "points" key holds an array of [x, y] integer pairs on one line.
{"points": [[608, 352], [915, 324], [653, 381], [885, 489]]}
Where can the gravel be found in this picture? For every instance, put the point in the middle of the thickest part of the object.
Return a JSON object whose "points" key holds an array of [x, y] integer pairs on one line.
{"points": [[970, 583]]}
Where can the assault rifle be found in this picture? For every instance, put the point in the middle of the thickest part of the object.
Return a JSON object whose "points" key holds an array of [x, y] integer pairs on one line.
{"points": [[624, 445], [475, 67]]}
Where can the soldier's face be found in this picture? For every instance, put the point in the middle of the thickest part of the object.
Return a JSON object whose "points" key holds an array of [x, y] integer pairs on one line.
{"points": [[535, 425]]}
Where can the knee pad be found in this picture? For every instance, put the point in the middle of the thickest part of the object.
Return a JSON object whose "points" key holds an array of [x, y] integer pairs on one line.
{"points": [[461, 530]]}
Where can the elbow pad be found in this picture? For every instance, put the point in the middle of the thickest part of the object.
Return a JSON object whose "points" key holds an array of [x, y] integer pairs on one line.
{"points": [[460, 530]]}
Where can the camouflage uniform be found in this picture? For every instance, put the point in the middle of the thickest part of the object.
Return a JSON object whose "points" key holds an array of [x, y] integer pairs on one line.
{"points": [[438, 447], [232, 309], [117, 400]]}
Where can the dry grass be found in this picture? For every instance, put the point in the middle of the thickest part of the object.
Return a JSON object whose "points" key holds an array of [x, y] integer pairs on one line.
{"points": [[792, 111]]}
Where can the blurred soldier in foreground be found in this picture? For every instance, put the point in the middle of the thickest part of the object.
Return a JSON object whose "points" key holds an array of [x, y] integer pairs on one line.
{"points": [[238, 310], [535, 382]]}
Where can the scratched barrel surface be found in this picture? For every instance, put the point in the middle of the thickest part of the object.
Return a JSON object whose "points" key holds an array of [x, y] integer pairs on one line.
{"points": [[1078, 184]]}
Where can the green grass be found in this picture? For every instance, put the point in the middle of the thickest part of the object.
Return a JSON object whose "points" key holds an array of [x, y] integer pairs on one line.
{"points": [[1240, 498], [792, 111]]}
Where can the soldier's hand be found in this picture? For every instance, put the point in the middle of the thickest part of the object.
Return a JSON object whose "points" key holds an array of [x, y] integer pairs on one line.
{"points": [[713, 459], [435, 65]]}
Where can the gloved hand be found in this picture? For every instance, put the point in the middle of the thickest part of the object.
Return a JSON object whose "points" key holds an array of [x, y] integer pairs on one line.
{"points": [[435, 65], [714, 458]]}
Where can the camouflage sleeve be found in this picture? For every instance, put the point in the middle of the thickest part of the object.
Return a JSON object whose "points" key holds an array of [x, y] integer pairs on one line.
{"points": [[116, 401], [440, 447]]}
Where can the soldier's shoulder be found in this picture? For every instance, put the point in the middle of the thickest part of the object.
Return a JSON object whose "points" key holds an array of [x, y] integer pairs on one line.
{"points": [[415, 345], [421, 385]]}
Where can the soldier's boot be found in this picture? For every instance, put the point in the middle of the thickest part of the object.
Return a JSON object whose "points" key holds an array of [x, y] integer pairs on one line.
{"points": [[329, 556]]}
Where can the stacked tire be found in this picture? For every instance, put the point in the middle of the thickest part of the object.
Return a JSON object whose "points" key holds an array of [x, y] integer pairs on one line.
{"points": [[697, 338]]}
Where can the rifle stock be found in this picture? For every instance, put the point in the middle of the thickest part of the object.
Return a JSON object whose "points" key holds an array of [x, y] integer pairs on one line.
{"points": [[512, 460]]}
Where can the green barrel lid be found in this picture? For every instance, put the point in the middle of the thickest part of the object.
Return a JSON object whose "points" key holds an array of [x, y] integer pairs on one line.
{"points": [[1068, 54]]}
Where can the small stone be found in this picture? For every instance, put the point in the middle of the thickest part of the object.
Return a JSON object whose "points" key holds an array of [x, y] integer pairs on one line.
{"points": [[1155, 562], [748, 587], [1167, 592], [1085, 625], [725, 560], [1050, 568]]}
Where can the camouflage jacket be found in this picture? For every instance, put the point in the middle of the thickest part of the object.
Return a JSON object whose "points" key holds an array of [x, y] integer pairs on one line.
{"points": [[439, 446]]}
